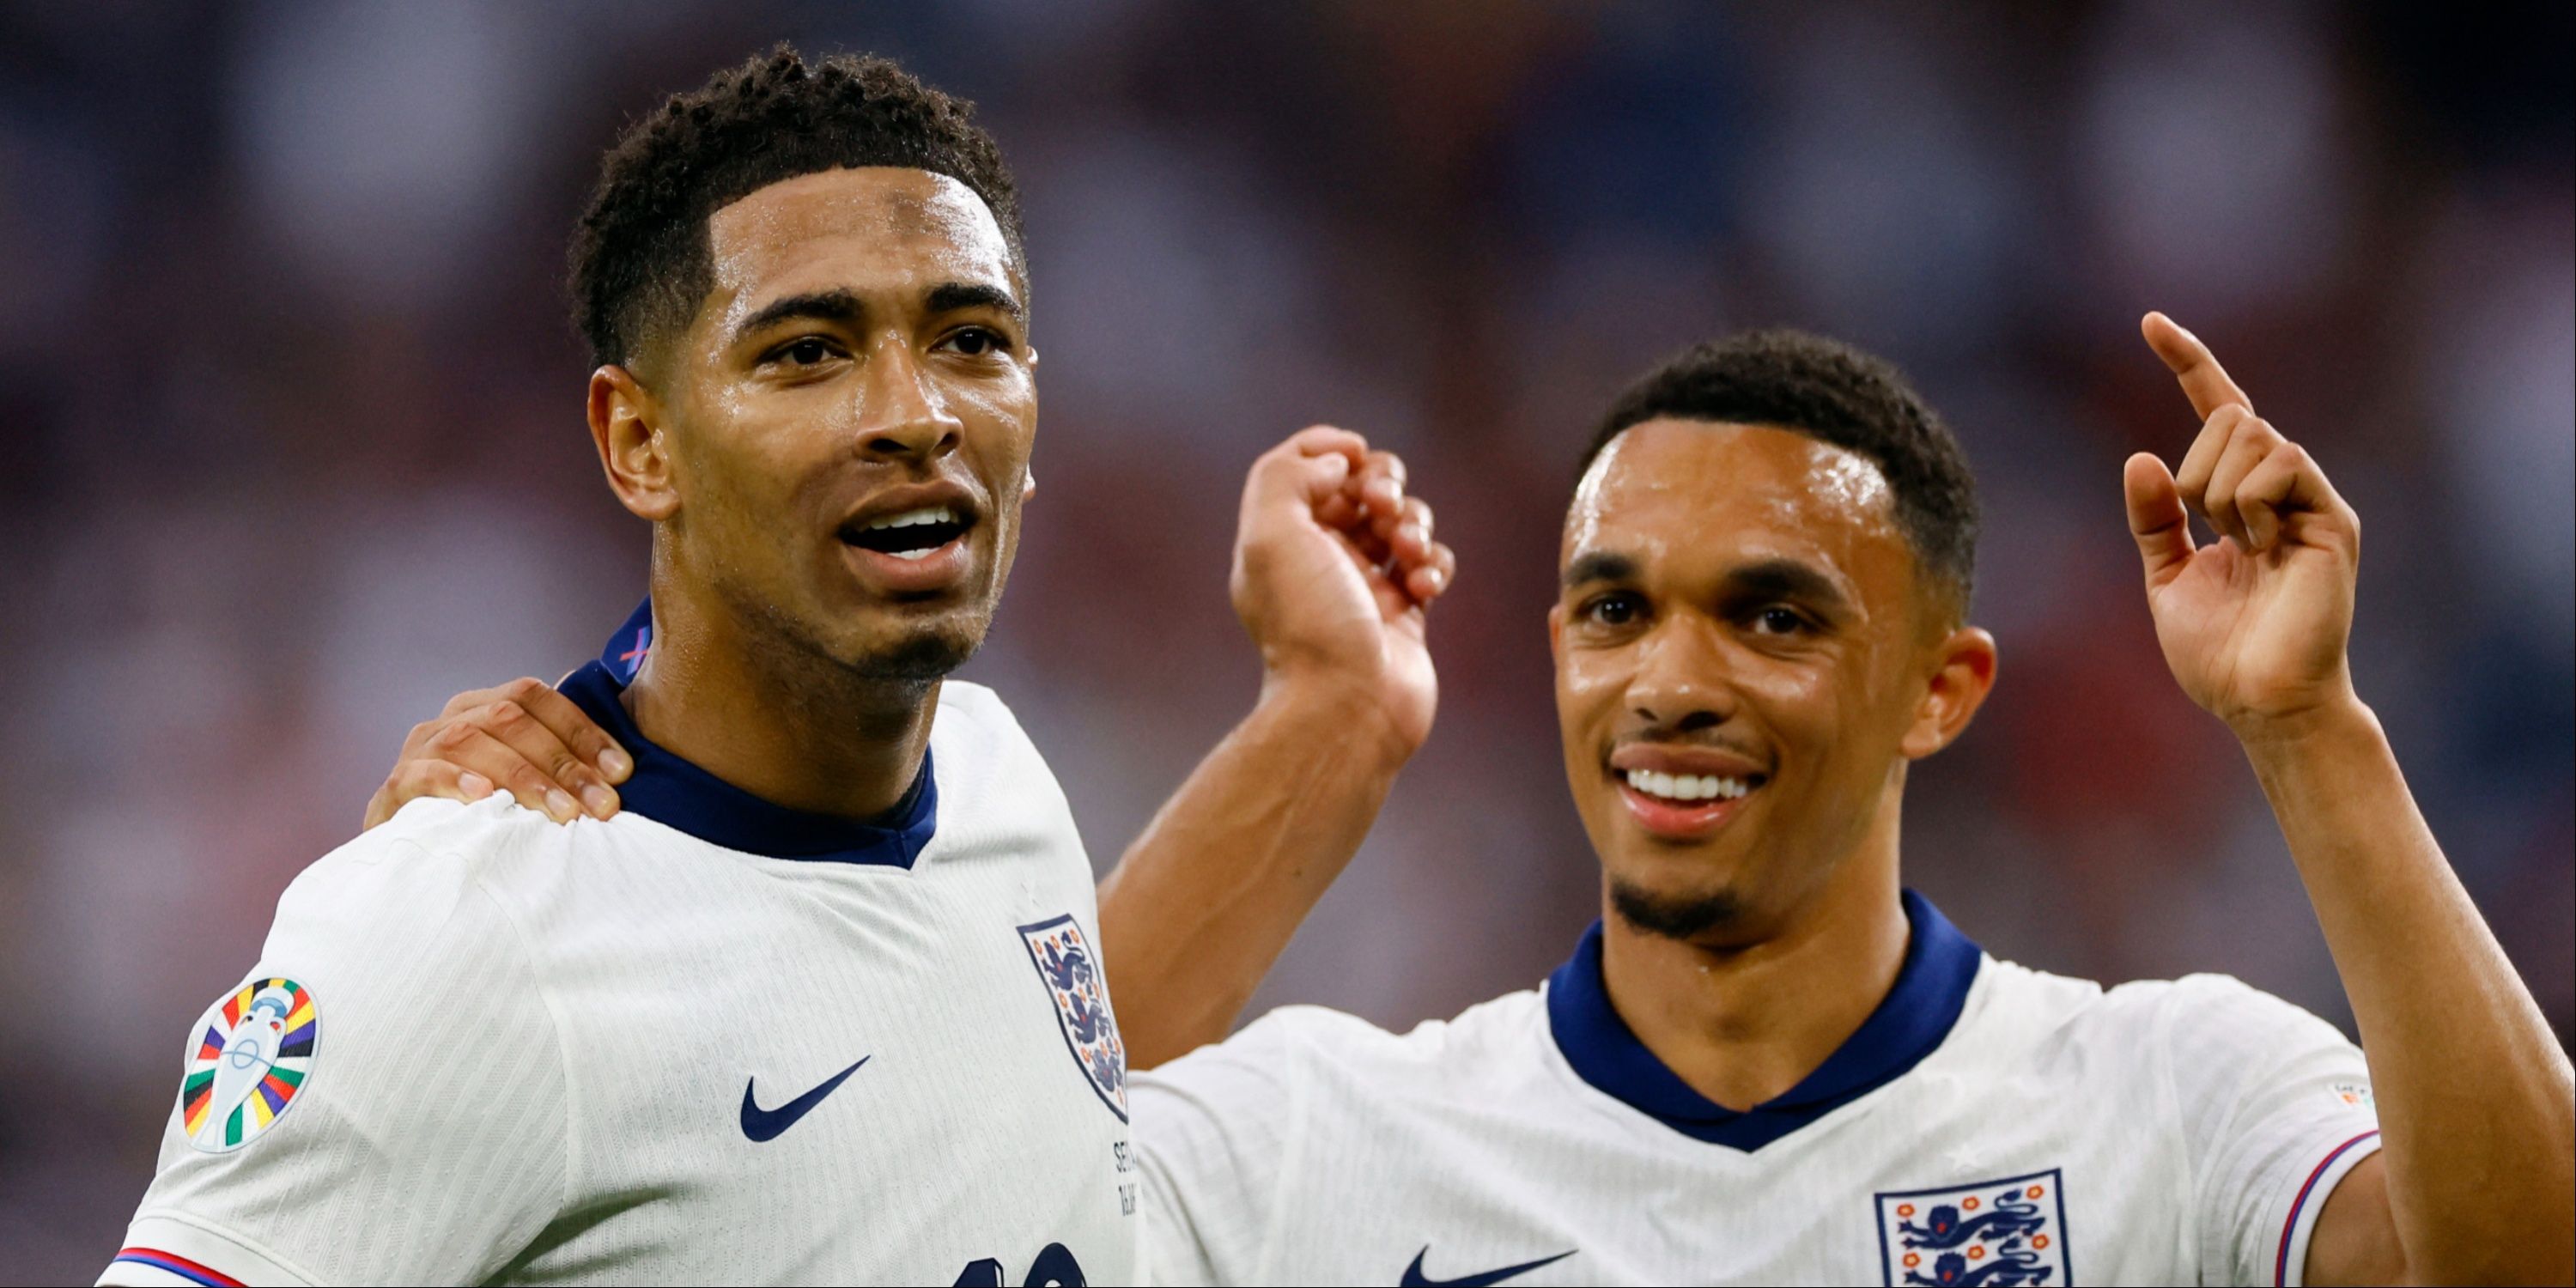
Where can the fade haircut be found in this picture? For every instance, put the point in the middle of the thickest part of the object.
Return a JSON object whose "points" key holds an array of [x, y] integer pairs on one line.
{"points": [[640, 258], [1835, 394]]}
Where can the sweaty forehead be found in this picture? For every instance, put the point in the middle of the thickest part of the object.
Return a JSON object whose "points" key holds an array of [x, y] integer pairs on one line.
{"points": [[1669, 487], [865, 229]]}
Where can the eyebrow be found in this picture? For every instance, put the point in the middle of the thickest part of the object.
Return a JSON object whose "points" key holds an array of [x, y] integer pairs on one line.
{"points": [[1599, 565], [819, 306], [845, 306], [952, 297], [1775, 578], [1789, 579]]}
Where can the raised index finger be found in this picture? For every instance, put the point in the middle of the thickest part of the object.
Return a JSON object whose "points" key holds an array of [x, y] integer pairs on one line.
{"points": [[2203, 380]]}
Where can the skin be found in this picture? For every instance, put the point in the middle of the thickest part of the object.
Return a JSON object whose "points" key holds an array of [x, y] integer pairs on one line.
{"points": [[1743, 593], [1738, 600], [863, 342], [2476, 1182], [862, 350]]}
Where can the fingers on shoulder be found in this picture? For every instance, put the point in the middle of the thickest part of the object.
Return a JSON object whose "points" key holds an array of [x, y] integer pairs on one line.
{"points": [[525, 743]]}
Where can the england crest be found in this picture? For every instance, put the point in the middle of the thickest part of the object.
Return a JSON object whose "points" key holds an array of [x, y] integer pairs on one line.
{"points": [[1071, 972], [2007, 1232]]}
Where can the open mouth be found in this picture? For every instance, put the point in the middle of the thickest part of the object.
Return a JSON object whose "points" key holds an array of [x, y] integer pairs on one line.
{"points": [[913, 534], [1689, 789], [1685, 807]]}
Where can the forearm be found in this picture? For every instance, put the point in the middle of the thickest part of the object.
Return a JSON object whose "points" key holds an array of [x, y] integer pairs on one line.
{"points": [[1208, 896], [2477, 1115]]}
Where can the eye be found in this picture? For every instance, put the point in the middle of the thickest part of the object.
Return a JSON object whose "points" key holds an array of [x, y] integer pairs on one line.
{"points": [[976, 341], [1616, 609], [810, 351], [1776, 620]]}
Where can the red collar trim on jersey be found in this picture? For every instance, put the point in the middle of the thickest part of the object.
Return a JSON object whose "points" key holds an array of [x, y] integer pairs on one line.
{"points": [[1910, 1023]]}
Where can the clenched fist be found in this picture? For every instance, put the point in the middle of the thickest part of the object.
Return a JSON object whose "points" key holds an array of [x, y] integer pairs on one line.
{"points": [[1333, 567]]}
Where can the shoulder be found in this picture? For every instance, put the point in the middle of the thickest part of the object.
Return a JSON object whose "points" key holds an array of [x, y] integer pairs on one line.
{"points": [[1325, 1049], [975, 720], [423, 884], [2196, 1007], [976, 745], [996, 794], [2198, 1026], [2205, 1017]]}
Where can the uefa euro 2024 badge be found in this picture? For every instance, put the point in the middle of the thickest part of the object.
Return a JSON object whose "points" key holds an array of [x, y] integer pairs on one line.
{"points": [[2005, 1232], [252, 1054]]}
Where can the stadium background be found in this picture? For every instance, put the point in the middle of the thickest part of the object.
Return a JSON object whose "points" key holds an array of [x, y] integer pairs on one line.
{"points": [[290, 439]]}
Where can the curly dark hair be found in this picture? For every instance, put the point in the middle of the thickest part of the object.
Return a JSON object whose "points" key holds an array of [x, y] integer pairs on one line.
{"points": [[1836, 394], [640, 258]]}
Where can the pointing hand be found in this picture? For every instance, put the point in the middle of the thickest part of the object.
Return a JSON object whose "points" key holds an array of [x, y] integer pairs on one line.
{"points": [[2253, 624]]}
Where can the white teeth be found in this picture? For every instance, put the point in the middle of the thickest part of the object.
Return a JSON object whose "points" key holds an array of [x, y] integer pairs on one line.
{"points": [[915, 518], [1686, 787], [909, 554]]}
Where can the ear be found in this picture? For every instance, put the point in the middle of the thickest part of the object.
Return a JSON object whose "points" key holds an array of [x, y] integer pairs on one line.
{"points": [[626, 428], [1963, 673], [1556, 634]]}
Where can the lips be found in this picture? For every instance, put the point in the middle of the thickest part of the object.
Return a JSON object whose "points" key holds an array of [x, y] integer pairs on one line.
{"points": [[911, 540], [1683, 793]]}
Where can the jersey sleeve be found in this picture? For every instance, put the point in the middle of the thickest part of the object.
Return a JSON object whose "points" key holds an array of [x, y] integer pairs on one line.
{"points": [[1213, 1134], [2276, 1107], [420, 1134]]}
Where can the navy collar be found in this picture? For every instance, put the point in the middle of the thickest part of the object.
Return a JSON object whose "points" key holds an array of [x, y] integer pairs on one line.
{"points": [[677, 794], [1931, 988]]}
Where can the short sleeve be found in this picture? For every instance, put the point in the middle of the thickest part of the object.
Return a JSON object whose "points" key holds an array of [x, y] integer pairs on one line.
{"points": [[2276, 1109], [1213, 1131], [381, 1101]]}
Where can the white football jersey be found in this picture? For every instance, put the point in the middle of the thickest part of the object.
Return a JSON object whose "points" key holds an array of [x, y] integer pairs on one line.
{"points": [[1988, 1124], [709, 1040]]}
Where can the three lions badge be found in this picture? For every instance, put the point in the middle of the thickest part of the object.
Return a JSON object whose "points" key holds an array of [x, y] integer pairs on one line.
{"points": [[2005, 1232], [253, 1051], [1072, 975]]}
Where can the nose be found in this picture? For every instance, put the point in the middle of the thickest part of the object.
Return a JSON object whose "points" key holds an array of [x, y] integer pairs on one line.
{"points": [[1680, 682], [902, 415]]}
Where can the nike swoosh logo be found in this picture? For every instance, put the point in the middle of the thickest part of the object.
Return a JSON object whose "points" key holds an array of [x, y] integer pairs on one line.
{"points": [[1414, 1278], [765, 1124]]}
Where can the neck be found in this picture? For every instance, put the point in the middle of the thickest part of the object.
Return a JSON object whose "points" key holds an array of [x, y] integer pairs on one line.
{"points": [[1746, 1022], [774, 719]]}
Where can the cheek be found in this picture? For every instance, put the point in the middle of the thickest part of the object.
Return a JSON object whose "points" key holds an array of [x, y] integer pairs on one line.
{"points": [[1590, 685], [1803, 701], [1586, 679]]}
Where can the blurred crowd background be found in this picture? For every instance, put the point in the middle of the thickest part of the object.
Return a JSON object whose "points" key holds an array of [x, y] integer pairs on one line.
{"points": [[291, 444]]}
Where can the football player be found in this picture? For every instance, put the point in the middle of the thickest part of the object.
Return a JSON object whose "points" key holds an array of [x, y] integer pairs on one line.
{"points": [[822, 1002], [1771, 1063]]}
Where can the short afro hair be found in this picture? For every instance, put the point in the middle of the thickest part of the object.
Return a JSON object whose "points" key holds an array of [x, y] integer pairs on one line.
{"points": [[1835, 394], [640, 258]]}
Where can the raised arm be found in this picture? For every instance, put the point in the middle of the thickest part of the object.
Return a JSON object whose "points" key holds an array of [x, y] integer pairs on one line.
{"points": [[2476, 1181], [1334, 566]]}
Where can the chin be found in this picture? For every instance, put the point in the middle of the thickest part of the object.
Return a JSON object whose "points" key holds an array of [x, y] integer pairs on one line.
{"points": [[918, 650], [919, 655], [1689, 912]]}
